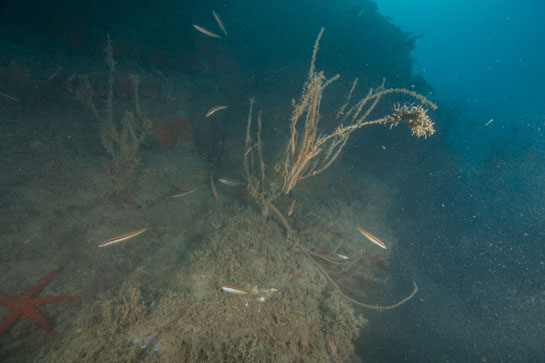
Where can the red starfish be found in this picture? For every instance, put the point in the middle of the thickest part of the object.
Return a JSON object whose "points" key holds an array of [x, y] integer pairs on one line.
{"points": [[27, 305]]}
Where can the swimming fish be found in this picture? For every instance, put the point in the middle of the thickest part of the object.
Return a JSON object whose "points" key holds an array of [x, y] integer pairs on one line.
{"points": [[371, 238], [206, 32], [249, 148], [290, 211], [231, 182], [121, 237], [214, 189], [233, 290], [54, 74], [214, 110], [220, 23], [182, 194]]}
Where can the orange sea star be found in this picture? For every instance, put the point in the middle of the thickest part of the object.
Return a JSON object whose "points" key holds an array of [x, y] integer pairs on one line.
{"points": [[28, 303]]}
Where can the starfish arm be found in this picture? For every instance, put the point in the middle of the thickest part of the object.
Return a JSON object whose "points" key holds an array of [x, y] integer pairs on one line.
{"points": [[8, 321], [39, 286], [37, 317], [37, 301], [5, 300], [27, 305]]}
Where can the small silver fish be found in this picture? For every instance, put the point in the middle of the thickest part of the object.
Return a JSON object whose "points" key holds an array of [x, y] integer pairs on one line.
{"points": [[220, 23], [233, 290], [214, 110], [182, 194], [231, 182], [206, 32], [371, 238]]}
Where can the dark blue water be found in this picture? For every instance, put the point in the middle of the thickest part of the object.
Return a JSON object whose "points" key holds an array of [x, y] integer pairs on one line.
{"points": [[470, 200], [480, 205]]}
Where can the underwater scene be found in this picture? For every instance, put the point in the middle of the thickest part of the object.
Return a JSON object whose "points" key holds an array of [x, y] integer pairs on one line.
{"points": [[272, 181]]}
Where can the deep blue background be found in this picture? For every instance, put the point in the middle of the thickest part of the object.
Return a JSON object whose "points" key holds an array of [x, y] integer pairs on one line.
{"points": [[476, 221], [487, 56]]}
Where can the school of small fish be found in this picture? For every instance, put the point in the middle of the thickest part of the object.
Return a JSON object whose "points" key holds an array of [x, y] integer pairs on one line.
{"points": [[262, 294]]}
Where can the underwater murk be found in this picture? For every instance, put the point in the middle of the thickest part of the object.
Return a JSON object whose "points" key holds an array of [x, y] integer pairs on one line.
{"points": [[200, 182]]}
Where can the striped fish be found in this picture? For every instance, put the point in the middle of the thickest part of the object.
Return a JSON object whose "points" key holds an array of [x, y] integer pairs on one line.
{"points": [[249, 148], [206, 32], [122, 238], [231, 182], [182, 194], [233, 290], [371, 238], [220, 23], [290, 211], [215, 109], [214, 189]]}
